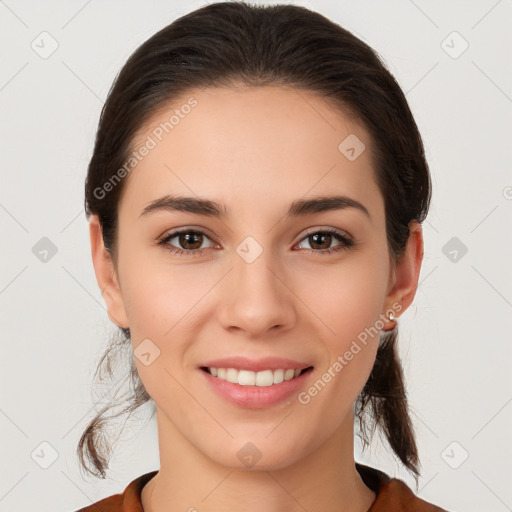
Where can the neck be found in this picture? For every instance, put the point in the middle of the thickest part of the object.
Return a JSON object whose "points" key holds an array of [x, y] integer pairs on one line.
{"points": [[325, 479]]}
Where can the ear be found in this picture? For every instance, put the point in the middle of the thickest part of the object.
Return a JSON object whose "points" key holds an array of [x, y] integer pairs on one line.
{"points": [[106, 275], [404, 276]]}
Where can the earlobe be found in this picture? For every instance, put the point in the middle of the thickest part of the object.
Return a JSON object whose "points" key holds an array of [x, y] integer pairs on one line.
{"points": [[106, 275], [407, 270]]}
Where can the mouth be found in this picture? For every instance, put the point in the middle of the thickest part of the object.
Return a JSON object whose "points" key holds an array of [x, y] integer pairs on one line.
{"points": [[252, 389], [264, 378]]}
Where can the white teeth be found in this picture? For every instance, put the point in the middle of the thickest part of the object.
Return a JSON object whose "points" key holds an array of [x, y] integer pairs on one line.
{"points": [[249, 378], [278, 376], [264, 378], [232, 375]]}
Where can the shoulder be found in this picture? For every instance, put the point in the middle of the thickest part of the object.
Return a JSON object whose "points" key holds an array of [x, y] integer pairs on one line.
{"points": [[392, 493], [110, 504], [127, 501]]}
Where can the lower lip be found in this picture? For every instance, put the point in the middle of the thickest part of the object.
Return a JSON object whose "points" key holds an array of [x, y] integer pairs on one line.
{"points": [[256, 397]]}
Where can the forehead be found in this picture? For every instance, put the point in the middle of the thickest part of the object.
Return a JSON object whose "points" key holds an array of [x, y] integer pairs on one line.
{"points": [[249, 146]]}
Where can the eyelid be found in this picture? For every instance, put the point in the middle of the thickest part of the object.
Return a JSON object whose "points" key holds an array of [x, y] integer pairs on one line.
{"points": [[314, 230], [186, 229], [172, 233]]}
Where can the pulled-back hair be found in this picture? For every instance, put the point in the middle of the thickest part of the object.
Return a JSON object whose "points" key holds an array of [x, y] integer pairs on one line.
{"points": [[233, 43]]}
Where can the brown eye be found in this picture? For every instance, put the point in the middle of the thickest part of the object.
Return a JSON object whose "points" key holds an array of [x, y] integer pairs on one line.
{"points": [[320, 241], [189, 242]]}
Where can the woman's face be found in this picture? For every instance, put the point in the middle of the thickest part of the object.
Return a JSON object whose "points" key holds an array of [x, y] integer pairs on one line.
{"points": [[263, 284]]}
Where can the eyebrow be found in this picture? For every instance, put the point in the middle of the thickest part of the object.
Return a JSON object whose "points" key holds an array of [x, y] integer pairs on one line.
{"points": [[211, 208]]}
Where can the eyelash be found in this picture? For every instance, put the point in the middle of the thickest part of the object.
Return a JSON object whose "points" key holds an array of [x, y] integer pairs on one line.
{"points": [[345, 244]]}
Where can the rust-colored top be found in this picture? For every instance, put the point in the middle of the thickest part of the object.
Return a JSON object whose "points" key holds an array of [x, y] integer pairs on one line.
{"points": [[393, 495]]}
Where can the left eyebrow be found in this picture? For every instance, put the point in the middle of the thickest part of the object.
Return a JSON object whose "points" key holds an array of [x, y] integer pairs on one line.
{"points": [[211, 208]]}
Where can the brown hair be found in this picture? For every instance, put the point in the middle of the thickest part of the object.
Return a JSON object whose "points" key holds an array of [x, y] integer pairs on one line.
{"points": [[229, 43]]}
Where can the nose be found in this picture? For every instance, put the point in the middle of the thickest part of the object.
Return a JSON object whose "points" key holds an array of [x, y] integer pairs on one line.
{"points": [[256, 297]]}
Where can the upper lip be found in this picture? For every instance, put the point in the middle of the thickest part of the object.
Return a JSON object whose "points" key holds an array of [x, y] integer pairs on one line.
{"points": [[256, 365]]}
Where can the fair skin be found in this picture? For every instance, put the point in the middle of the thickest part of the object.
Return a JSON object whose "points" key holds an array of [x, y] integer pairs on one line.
{"points": [[254, 150]]}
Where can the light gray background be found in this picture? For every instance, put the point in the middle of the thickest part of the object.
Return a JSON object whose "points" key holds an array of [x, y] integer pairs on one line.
{"points": [[455, 339]]}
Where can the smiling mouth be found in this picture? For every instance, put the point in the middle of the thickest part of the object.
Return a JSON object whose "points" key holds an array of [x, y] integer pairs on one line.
{"points": [[249, 378]]}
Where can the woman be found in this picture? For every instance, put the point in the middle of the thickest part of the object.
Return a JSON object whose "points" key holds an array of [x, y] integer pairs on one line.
{"points": [[255, 199]]}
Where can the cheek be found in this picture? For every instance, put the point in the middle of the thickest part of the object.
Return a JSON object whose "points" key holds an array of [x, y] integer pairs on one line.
{"points": [[347, 303], [158, 296], [347, 299], [163, 304]]}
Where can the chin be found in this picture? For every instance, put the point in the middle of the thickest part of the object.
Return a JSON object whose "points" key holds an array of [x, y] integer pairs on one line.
{"points": [[258, 454]]}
